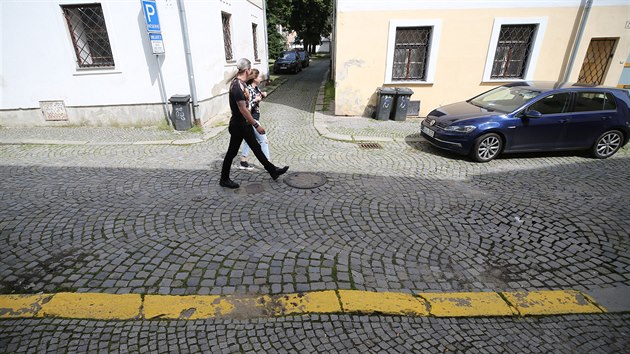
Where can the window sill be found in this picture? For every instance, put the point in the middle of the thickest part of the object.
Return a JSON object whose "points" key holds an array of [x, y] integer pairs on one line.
{"points": [[230, 63], [409, 82], [502, 80], [84, 72]]}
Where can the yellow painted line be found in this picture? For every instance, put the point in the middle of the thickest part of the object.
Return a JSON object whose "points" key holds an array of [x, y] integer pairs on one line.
{"points": [[551, 302], [93, 306], [185, 307], [21, 306], [385, 302], [314, 302], [467, 304], [133, 306]]}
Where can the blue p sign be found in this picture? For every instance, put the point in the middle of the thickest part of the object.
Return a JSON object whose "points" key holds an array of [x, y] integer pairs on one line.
{"points": [[151, 15]]}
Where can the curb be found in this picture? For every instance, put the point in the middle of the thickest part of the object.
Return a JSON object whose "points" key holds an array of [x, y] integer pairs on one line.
{"points": [[100, 306]]}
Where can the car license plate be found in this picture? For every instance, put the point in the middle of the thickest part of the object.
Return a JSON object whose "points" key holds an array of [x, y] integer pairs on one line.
{"points": [[428, 131], [283, 67]]}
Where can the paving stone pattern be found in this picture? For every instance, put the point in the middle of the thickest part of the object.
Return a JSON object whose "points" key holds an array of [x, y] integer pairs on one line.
{"points": [[152, 219], [323, 334]]}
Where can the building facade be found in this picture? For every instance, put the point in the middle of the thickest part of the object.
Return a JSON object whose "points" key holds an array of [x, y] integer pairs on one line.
{"points": [[448, 51], [72, 62]]}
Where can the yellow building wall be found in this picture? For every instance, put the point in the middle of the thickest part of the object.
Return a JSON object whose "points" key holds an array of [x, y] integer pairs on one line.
{"points": [[362, 42]]}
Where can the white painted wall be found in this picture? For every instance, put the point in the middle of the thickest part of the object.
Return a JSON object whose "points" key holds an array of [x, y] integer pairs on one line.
{"points": [[38, 61]]}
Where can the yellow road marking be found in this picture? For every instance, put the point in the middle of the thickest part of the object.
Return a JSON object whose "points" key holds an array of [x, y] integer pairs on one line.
{"points": [[133, 306], [551, 302], [314, 302], [467, 304], [94, 306], [385, 302], [20, 306], [185, 307]]}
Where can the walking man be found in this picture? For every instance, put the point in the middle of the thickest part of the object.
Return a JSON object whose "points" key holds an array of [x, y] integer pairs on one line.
{"points": [[240, 128]]}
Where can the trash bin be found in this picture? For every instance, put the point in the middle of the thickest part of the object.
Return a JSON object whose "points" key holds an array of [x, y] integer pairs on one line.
{"points": [[181, 116], [403, 95], [386, 98]]}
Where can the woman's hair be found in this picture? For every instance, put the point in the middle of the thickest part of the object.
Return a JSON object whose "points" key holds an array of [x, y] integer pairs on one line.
{"points": [[252, 76], [242, 65]]}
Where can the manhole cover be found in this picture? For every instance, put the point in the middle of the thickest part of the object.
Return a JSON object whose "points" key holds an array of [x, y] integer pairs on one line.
{"points": [[305, 180]]}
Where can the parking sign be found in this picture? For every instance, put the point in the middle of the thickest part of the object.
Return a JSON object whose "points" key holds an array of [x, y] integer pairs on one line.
{"points": [[151, 15]]}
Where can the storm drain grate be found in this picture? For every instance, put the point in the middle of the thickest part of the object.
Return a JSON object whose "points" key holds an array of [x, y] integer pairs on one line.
{"points": [[370, 146]]}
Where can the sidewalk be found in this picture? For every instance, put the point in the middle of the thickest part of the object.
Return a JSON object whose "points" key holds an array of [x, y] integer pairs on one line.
{"points": [[325, 122]]}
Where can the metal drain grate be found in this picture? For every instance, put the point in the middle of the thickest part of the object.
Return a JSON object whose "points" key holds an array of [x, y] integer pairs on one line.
{"points": [[370, 146]]}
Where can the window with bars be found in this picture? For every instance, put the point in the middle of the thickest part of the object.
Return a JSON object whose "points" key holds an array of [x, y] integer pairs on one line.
{"points": [[411, 53], [255, 35], [227, 36], [597, 60], [513, 51], [89, 35]]}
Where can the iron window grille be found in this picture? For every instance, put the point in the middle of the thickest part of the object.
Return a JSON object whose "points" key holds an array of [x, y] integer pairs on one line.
{"points": [[513, 51], [411, 53], [89, 35], [598, 55], [227, 36], [255, 35]]}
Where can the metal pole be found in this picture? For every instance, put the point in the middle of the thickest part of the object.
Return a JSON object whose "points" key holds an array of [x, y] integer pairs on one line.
{"points": [[266, 39], [578, 38], [162, 90], [189, 63]]}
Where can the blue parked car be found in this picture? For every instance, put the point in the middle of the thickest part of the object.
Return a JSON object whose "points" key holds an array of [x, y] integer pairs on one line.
{"points": [[533, 116]]}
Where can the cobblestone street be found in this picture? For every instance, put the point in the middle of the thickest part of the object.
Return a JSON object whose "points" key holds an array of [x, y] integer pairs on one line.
{"points": [[120, 218]]}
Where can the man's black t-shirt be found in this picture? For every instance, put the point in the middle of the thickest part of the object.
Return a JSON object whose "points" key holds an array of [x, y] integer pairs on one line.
{"points": [[237, 94]]}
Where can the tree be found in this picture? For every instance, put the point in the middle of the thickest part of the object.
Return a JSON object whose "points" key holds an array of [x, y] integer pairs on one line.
{"points": [[278, 14], [310, 19]]}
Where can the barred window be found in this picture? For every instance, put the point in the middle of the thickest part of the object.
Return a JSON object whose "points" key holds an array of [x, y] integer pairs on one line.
{"points": [[89, 35], [227, 36], [597, 60], [255, 35], [513, 51], [411, 53]]}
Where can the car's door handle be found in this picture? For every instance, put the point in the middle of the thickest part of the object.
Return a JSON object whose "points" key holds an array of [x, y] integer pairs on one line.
{"points": [[563, 121], [606, 118]]}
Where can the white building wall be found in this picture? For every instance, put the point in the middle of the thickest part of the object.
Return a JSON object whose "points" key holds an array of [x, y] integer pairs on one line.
{"points": [[39, 64]]}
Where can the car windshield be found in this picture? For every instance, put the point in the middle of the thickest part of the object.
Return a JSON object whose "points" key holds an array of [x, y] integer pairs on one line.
{"points": [[504, 99], [287, 56]]}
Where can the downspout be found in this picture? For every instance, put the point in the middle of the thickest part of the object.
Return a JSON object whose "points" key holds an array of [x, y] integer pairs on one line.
{"points": [[266, 40], [578, 39], [189, 63]]}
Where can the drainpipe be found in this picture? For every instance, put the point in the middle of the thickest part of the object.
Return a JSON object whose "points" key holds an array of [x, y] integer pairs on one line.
{"points": [[189, 63], [578, 39], [266, 40]]}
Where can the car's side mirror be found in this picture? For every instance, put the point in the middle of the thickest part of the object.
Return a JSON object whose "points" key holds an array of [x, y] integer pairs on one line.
{"points": [[533, 114]]}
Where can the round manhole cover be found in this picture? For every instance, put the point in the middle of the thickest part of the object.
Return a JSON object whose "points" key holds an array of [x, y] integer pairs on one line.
{"points": [[305, 180]]}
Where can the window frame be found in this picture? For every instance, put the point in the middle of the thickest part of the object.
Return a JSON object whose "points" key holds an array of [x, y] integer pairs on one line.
{"points": [[541, 27], [72, 40], [225, 45], [255, 44], [436, 34]]}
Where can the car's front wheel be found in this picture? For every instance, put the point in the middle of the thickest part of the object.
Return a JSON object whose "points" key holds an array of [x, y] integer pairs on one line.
{"points": [[486, 147], [607, 144]]}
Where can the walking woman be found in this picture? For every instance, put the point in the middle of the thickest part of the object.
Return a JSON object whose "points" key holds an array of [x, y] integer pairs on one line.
{"points": [[240, 128], [255, 96]]}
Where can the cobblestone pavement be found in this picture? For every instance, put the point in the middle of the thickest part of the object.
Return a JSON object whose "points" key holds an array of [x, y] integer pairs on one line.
{"points": [[405, 217]]}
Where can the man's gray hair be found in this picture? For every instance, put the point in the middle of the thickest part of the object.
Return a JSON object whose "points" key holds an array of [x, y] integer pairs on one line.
{"points": [[243, 64]]}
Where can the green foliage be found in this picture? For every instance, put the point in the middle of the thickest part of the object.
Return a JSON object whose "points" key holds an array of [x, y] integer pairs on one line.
{"points": [[311, 20], [278, 13]]}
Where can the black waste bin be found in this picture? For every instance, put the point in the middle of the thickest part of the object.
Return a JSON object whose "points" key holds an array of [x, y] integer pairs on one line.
{"points": [[403, 95], [181, 116], [386, 98]]}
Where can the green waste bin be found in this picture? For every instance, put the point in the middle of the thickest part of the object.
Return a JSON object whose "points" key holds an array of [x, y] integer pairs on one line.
{"points": [[180, 116], [403, 95], [386, 98]]}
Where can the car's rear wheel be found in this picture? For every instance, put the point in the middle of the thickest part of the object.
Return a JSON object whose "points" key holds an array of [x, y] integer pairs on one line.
{"points": [[607, 144], [486, 147]]}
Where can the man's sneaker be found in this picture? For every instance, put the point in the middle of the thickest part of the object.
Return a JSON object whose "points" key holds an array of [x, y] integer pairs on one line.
{"points": [[245, 166], [228, 183], [276, 172]]}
